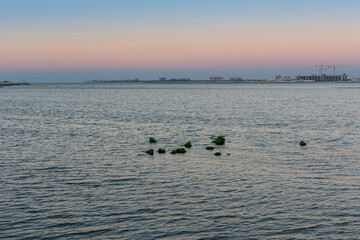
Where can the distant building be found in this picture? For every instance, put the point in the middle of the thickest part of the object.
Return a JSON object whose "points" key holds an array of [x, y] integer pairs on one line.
{"points": [[323, 78], [216, 78], [180, 79], [236, 79], [162, 79], [279, 78], [286, 78]]}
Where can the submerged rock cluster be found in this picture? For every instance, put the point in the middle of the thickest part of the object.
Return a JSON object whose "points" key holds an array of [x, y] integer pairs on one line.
{"points": [[220, 140], [162, 151]]}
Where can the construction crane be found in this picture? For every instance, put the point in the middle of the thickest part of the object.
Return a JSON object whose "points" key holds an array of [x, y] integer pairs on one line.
{"points": [[321, 68], [334, 67]]}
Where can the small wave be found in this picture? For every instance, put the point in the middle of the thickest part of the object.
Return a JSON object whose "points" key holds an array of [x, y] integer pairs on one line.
{"points": [[23, 177], [182, 233], [91, 231], [120, 180], [299, 229], [145, 210], [86, 183], [223, 216], [315, 178], [266, 219], [49, 168], [23, 221], [66, 224], [174, 220], [60, 216]]}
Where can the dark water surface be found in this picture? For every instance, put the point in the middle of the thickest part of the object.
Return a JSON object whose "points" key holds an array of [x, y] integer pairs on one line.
{"points": [[72, 162]]}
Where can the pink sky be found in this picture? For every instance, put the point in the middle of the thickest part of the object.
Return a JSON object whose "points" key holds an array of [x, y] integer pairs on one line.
{"points": [[176, 50], [179, 39]]}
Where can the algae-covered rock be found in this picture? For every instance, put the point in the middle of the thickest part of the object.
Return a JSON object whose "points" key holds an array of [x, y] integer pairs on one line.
{"points": [[150, 151], [217, 153], [302, 143], [220, 140], [152, 140], [179, 150], [161, 150], [210, 148], [188, 145]]}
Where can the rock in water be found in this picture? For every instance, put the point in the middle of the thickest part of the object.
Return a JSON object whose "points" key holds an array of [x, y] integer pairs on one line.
{"points": [[161, 150], [188, 145], [179, 150], [150, 151], [220, 140]]}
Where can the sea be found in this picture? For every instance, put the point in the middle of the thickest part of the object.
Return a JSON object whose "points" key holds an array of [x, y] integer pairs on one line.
{"points": [[73, 162]]}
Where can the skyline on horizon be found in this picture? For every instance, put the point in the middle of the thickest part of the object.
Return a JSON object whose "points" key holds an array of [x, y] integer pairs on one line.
{"points": [[75, 41]]}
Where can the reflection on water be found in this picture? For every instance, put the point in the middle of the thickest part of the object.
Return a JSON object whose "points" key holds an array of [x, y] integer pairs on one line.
{"points": [[73, 163]]}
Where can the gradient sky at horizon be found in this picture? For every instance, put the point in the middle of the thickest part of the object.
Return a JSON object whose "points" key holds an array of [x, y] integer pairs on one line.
{"points": [[78, 40]]}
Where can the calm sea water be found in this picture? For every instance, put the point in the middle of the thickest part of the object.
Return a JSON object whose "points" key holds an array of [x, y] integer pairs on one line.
{"points": [[72, 162]]}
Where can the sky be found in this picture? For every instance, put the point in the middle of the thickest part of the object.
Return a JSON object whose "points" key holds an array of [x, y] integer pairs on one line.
{"points": [[80, 40]]}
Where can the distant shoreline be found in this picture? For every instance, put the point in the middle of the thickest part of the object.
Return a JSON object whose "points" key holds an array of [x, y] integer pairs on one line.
{"points": [[255, 81], [169, 82], [7, 84]]}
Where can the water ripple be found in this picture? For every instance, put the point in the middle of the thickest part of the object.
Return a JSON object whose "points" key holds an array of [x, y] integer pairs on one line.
{"points": [[73, 164]]}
